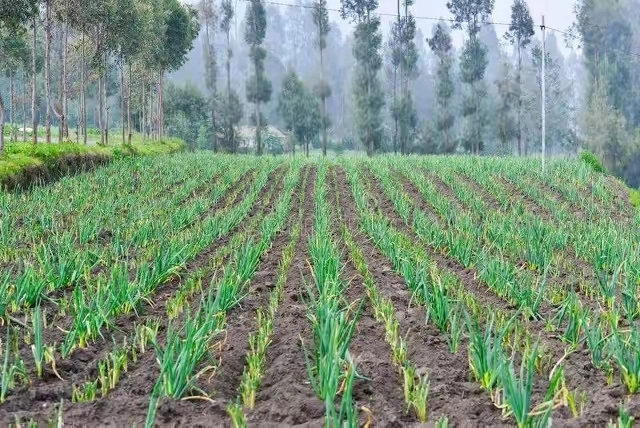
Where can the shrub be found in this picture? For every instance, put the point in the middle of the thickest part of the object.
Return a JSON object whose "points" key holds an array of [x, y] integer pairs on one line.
{"points": [[635, 198], [592, 160]]}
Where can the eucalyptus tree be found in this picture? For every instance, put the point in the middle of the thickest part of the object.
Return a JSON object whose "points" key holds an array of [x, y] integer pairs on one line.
{"points": [[405, 112], [208, 22], [258, 86], [124, 42], [469, 15], [289, 104], [506, 129], [367, 90], [321, 20], [300, 111], [520, 34], [13, 50], [176, 29], [442, 46], [231, 108], [80, 17]]}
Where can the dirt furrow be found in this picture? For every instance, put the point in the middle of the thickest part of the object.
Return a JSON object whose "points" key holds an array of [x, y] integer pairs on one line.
{"points": [[286, 395], [581, 376], [451, 394], [382, 390], [83, 363]]}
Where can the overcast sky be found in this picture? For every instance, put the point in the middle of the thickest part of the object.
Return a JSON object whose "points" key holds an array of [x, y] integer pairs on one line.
{"points": [[558, 13]]}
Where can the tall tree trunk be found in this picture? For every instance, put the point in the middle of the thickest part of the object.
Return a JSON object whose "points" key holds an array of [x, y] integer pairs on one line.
{"points": [[211, 83], [2, 116], [34, 81], [144, 108], [213, 130], [122, 109], [395, 95], [230, 124], [324, 104], [12, 107], [65, 95], [47, 70], [83, 95], [100, 121], [105, 100], [519, 83], [24, 105], [153, 112], [293, 142], [56, 112], [129, 105], [106, 127], [258, 130], [161, 106]]}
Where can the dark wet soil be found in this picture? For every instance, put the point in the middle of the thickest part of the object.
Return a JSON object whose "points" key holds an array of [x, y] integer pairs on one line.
{"points": [[285, 397]]}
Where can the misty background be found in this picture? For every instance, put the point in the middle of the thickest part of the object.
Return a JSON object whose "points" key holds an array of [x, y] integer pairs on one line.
{"points": [[290, 45]]}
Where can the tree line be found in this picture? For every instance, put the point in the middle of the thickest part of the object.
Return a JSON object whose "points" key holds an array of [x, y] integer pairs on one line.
{"points": [[406, 92], [77, 48], [402, 91]]}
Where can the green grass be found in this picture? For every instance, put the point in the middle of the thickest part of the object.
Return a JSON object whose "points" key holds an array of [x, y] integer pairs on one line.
{"points": [[635, 197], [21, 158]]}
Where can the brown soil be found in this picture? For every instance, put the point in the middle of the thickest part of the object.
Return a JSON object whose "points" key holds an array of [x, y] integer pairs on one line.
{"points": [[382, 390], [602, 399], [451, 392], [132, 394], [286, 396]]}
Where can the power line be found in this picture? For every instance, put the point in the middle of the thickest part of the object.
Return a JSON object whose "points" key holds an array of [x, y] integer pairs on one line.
{"points": [[391, 15], [431, 18]]}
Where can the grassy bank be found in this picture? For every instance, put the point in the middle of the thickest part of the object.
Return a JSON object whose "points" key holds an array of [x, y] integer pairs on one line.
{"points": [[26, 164]]}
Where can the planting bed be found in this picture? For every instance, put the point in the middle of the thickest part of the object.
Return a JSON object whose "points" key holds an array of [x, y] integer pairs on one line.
{"points": [[200, 290]]}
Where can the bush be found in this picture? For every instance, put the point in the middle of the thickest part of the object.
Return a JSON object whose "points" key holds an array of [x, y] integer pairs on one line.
{"points": [[592, 160], [635, 198]]}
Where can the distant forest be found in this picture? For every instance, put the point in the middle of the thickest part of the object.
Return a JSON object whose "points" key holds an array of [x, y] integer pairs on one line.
{"points": [[210, 72]]}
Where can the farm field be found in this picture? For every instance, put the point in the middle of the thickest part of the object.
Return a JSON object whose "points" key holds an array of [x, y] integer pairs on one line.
{"points": [[202, 290]]}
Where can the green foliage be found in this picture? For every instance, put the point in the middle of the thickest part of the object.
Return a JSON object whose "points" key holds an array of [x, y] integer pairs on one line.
{"points": [[605, 130], [507, 127], [231, 113], [442, 47], [521, 28], [300, 110], [16, 12], [321, 20], [180, 31], [273, 144], [185, 111], [367, 90], [607, 30], [635, 197], [592, 160], [473, 64], [21, 158], [258, 86]]}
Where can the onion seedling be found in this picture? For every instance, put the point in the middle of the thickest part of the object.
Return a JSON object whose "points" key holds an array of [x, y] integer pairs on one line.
{"points": [[38, 347]]}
